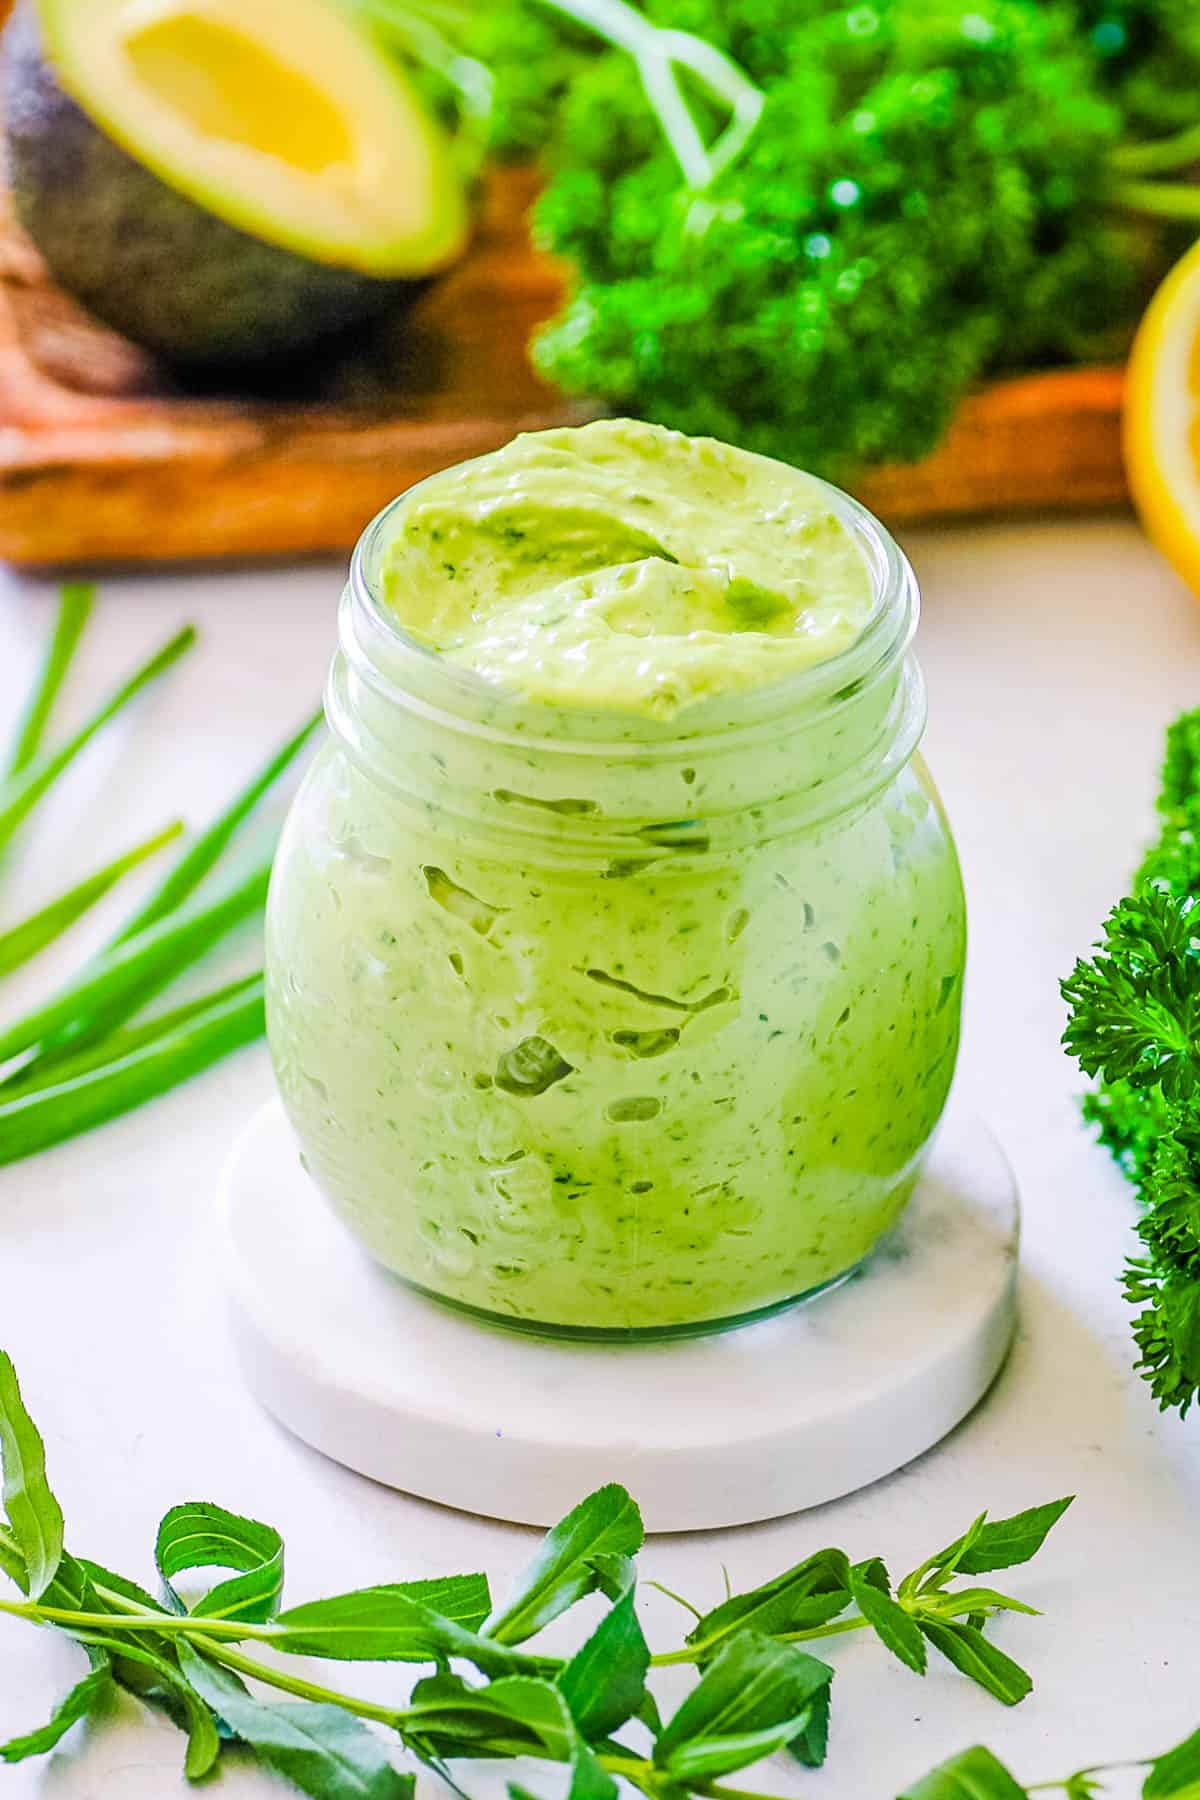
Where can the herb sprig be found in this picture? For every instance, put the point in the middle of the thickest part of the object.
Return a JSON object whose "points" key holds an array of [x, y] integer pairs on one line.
{"points": [[193, 1651], [976, 1774], [1134, 1022], [86, 1053]]}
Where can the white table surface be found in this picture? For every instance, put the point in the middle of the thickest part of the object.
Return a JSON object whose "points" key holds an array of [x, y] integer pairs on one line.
{"points": [[1055, 655]]}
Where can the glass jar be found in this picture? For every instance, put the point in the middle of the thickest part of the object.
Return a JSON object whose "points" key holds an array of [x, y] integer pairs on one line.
{"points": [[603, 1025]]}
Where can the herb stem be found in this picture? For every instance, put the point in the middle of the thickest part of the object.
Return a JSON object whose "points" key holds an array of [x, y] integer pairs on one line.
{"points": [[166, 1623], [1159, 199], [74, 606], [290, 1684], [200, 856], [719, 1791], [21, 793], [120, 980], [43, 1106], [22, 942], [1109, 1768], [1159, 155], [691, 1653]]}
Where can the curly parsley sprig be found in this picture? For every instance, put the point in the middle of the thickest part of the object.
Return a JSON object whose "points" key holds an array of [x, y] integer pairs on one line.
{"points": [[1134, 1023], [202, 1651]]}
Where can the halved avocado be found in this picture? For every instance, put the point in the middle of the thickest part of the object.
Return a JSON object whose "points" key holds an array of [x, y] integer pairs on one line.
{"points": [[224, 180]]}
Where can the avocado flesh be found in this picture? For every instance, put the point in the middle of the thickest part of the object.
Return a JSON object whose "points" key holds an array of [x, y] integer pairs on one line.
{"points": [[220, 198]]}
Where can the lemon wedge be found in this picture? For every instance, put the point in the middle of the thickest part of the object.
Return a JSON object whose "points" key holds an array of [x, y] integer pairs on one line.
{"points": [[1162, 418]]}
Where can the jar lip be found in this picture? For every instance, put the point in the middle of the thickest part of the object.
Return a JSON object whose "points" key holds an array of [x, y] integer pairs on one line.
{"points": [[395, 661]]}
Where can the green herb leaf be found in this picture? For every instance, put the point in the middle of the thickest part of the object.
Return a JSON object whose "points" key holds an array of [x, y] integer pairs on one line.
{"points": [[973, 1775], [984, 1601], [896, 1630], [516, 1716], [100, 1578], [753, 1685], [812, 1746], [564, 1569], [604, 1684], [969, 1651], [1177, 1774], [199, 1535], [87, 1696], [1005, 1543], [201, 856], [803, 1598], [12, 1563], [319, 1748], [167, 1685], [33, 1512], [419, 1621], [21, 792], [74, 606]]}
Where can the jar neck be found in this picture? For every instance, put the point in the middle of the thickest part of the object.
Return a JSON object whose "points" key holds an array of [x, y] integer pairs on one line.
{"points": [[737, 767]]}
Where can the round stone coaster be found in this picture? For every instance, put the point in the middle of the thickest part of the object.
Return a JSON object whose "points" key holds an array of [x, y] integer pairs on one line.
{"points": [[712, 1431]]}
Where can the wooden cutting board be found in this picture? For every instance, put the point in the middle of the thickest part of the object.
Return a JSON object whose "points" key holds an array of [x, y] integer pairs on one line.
{"points": [[103, 460]]}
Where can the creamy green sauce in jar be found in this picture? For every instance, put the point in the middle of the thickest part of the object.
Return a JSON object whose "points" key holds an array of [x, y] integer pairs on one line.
{"points": [[628, 568], [616, 937]]}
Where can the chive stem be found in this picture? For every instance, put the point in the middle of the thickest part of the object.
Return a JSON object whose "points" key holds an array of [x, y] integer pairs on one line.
{"points": [[122, 977], [199, 857], [117, 1046], [22, 942], [74, 606], [21, 793], [139, 1065]]}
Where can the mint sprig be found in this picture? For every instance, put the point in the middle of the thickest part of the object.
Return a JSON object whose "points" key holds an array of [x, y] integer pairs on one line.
{"points": [[976, 1774], [203, 1651]]}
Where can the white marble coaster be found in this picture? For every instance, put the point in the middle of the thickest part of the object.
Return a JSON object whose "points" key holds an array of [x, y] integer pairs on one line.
{"points": [[712, 1431]]}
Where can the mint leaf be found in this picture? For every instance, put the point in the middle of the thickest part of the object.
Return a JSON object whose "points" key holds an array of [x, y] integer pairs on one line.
{"points": [[1005, 1543], [33, 1512], [1177, 1774], [199, 1535], [607, 1523], [322, 1750], [973, 1775], [812, 1746], [604, 1684], [896, 1630], [967, 1648], [13, 1564], [86, 1697], [517, 1716], [753, 1685], [101, 1581], [391, 1624], [801, 1599], [167, 1685]]}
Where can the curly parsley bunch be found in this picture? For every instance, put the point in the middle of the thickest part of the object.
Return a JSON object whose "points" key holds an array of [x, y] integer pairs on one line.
{"points": [[925, 199], [1134, 1021]]}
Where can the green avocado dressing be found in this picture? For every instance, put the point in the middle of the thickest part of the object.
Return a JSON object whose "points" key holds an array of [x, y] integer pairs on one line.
{"points": [[633, 1032], [623, 567]]}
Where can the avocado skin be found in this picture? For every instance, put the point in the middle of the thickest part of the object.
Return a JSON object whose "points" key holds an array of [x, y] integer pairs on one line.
{"points": [[148, 261]]}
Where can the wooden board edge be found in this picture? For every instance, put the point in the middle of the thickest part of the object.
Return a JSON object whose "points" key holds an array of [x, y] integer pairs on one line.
{"points": [[205, 488]]}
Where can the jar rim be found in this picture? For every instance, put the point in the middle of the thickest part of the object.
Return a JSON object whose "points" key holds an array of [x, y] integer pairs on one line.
{"points": [[399, 666]]}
